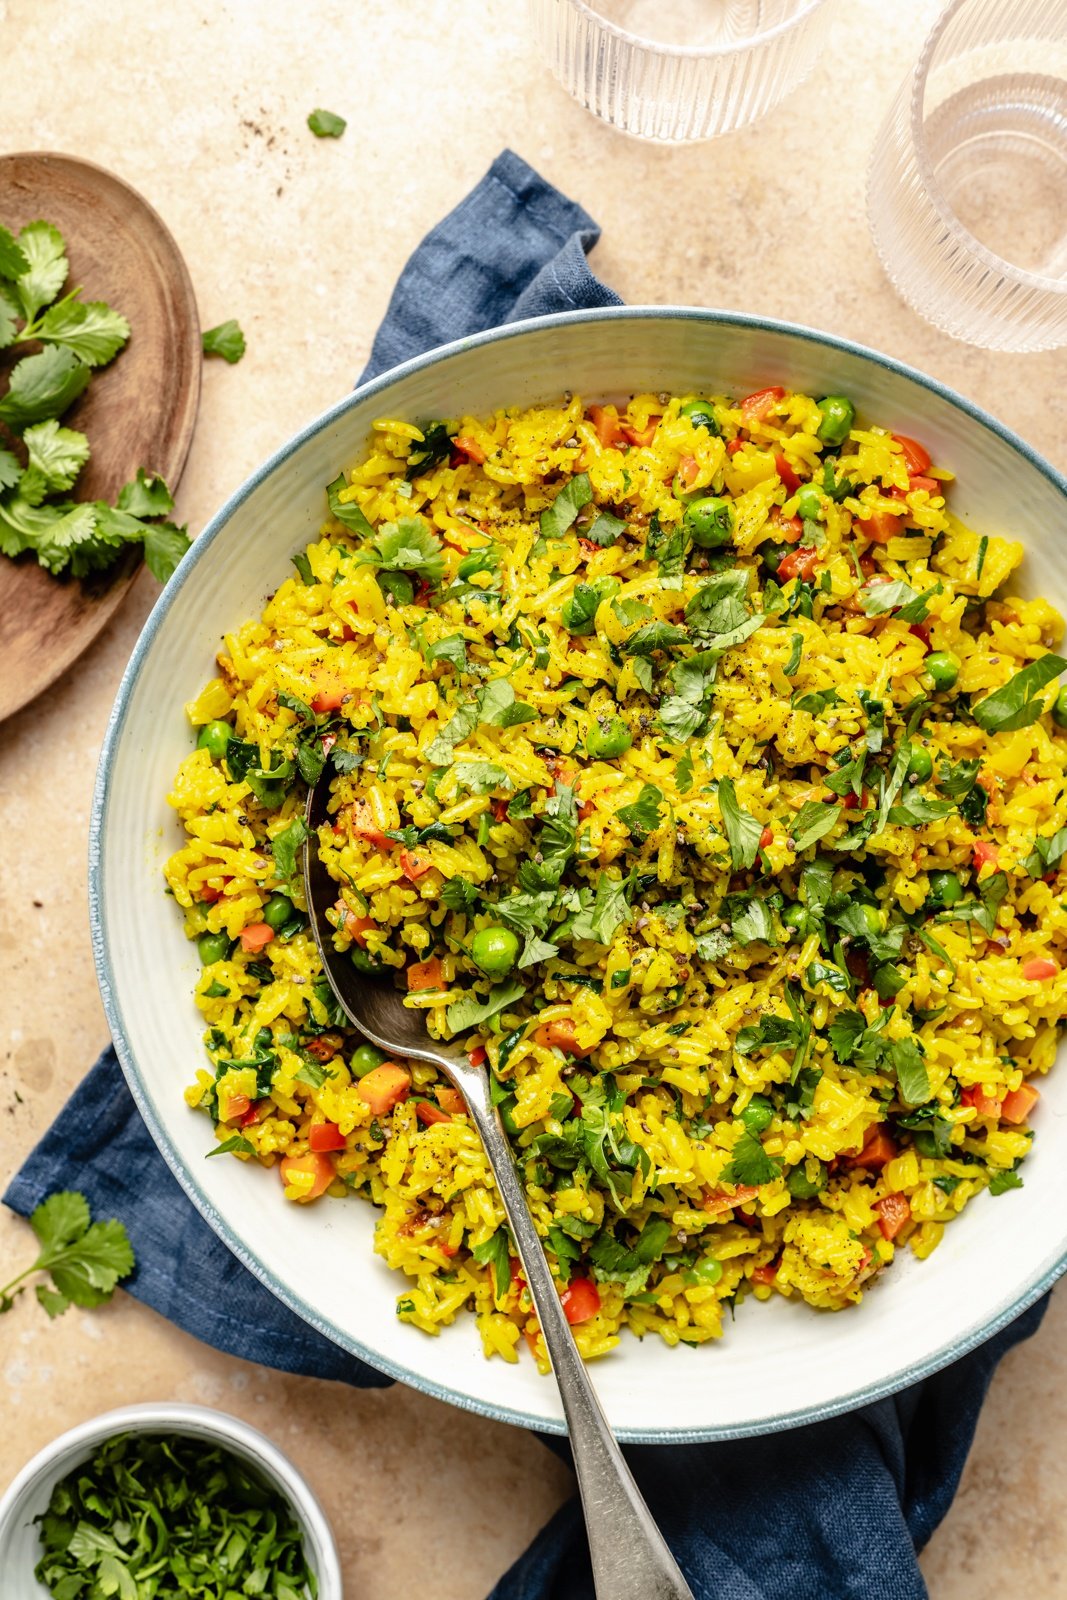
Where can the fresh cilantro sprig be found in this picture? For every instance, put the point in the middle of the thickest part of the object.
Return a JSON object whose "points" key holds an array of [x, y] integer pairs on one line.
{"points": [[40, 461], [226, 341], [84, 1259]]}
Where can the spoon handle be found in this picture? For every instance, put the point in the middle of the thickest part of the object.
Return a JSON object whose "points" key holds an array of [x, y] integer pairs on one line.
{"points": [[630, 1557]]}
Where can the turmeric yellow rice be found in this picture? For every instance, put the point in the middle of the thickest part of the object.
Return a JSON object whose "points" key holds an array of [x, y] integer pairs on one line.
{"points": [[693, 762]]}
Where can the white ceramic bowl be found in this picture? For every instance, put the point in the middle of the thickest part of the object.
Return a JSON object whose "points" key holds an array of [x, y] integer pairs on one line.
{"points": [[29, 1494], [779, 1364]]}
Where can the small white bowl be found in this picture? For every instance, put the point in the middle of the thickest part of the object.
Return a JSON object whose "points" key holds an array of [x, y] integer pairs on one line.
{"points": [[29, 1494]]}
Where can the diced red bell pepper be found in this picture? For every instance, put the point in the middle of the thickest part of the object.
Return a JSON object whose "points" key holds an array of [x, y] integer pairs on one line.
{"points": [[257, 936], [469, 447], [921, 631], [975, 1096], [605, 420], [364, 823], [688, 467], [1017, 1106], [734, 446], [790, 529], [766, 837], [716, 1200], [413, 866], [754, 407], [477, 1057], [450, 1100], [880, 526], [786, 474], [426, 975], [236, 1107], [766, 1274], [325, 1136], [384, 1087], [877, 1150], [581, 1300], [894, 1210], [324, 1046], [428, 1114], [931, 485], [208, 896], [1039, 970], [916, 456], [799, 563], [255, 1113], [641, 436], [561, 1034]]}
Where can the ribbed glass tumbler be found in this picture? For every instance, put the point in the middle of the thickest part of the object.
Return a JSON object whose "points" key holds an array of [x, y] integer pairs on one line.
{"points": [[967, 186], [682, 71]]}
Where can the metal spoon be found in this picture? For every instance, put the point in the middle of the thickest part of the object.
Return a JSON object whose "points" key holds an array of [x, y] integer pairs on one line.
{"points": [[630, 1557]]}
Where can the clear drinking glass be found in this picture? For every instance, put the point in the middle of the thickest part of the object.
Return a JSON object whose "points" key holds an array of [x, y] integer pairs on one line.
{"points": [[967, 186], [680, 70]]}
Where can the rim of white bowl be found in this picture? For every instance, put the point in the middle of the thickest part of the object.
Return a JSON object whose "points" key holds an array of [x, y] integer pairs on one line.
{"points": [[944, 1355], [203, 1422]]}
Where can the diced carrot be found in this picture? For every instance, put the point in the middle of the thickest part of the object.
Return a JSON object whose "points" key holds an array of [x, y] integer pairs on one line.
{"points": [[790, 528], [208, 896], [470, 448], [734, 446], [330, 699], [931, 485], [893, 1212], [1039, 970], [478, 1056], [1017, 1106], [311, 1174], [413, 866], [985, 854], [324, 1046], [916, 456], [985, 1104], [324, 1136], [355, 926], [450, 1100], [765, 1274], [499, 808], [561, 1034], [688, 467], [428, 1114], [581, 1300], [605, 420], [384, 1087], [257, 936], [755, 407], [426, 975], [766, 837], [880, 526], [716, 1200], [641, 436], [586, 809], [877, 1150], [233, 1106], [786, 473], [362, 821], [799, 563]]}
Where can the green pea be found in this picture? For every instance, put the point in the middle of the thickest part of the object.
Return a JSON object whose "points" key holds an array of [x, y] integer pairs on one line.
{"points": [[921, 765], [809, 502], [365, 1058], [606, 740], [704, 1272], [701, 415], [1059, 709], [874, 921], [710, 521], [943, 668], [838, 415], [214, 737], [945, 888], [495, 950], [278, 911], [362, 961], [213, 947], [506, 1109], [795, 917], [801, 1187], [758, 1114]]}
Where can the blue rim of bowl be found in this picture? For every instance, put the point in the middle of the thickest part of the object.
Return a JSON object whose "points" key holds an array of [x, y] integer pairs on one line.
{"points": [[877, 1391]]}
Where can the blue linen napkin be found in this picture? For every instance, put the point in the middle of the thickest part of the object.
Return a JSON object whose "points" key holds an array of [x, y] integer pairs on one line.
{"points": [[837, 1509]]}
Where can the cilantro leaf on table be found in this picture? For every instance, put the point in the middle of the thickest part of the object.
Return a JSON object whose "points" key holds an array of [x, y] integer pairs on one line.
{"points": [[84, 1259], [56, 455], [13, 262], [557, 518], [742, 829], [1019, 702], [10, 470], [89, 329], [326, 124], [164, 546], [146, 496], [43, 386], [46, 268], [225, 340]]}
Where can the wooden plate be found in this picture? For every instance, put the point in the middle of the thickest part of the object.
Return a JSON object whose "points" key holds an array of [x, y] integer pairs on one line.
{"points": [[137, 412]]}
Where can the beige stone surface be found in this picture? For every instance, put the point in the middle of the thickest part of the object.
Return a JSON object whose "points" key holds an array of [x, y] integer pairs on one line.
{"points": [[201, 106]]}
